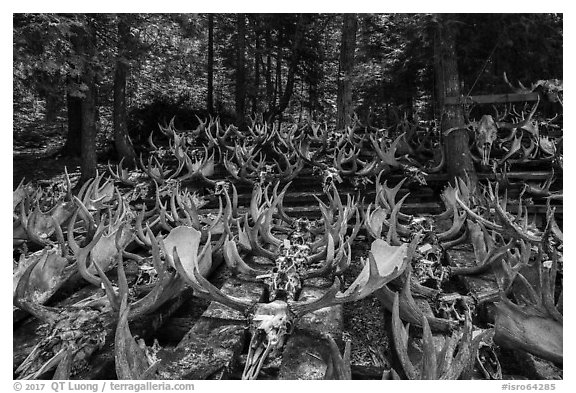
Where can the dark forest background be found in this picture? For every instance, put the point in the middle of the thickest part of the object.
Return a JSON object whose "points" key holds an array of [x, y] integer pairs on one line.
{"points": [[94, 83]]}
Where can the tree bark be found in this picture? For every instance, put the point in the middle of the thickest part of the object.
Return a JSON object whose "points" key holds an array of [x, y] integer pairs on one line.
{"points": [[122, 142], [458, 160], [257, 61], [72, 146], [240, 70], [53, 105], [85, 46], [210, 93], [88, 164], [269, 85], [278, 76], [344, 107]]}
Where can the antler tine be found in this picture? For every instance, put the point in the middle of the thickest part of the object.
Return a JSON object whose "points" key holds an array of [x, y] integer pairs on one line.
{"points": [[203, 288], [400, 337], [60, 238], [265, 227], [83, 257], [521, 123], [235, 262], [392, 192], [113, 298], [88, 223], [458, 222], [255, 244], [86, 189], [191, 211], [476, 217], [392, 235]]}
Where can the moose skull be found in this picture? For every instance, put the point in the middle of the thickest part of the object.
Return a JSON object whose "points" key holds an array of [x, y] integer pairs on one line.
{"points": [[269, 327], [486, 134]]}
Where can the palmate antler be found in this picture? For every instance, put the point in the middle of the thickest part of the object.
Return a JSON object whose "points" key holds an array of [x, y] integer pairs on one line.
{"points": [[534, 322], [409, 310], [155, 170], [39, 226], [102, 249], [121, 174], [94, 196], [199, 169], [168, 285], [457, 355], [292, 165], [189, 270], [51, 271], [133, 359], [338, 366], [385, 263]]}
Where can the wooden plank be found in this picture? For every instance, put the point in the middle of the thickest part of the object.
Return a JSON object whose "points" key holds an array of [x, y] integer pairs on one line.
{"points": [[492, 98], [303, 357], [313, 211], [210, 349]]}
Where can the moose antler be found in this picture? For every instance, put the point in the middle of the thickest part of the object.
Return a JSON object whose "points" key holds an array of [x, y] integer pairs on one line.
{"points": [[385, 263]]}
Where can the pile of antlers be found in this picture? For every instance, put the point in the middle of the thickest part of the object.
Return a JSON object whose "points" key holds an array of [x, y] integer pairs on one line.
{"points": [[92, 235]]}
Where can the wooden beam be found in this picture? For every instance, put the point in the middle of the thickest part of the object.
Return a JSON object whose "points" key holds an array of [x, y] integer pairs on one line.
{"points": [[492, 98], [306, 352], [210, 350]]}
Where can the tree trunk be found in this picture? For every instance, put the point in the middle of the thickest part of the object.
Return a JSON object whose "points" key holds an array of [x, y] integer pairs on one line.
{"points": [[293, 65], [85, 46], [257, 61], [53, 105], [344, 105], [458, 160], [278, 78], [72, 146], [124, 148], [210, 93], [240, 70], [88, 164], [269, 85]]}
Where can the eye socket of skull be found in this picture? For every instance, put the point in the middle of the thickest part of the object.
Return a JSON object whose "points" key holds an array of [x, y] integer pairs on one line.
{"points": [[289, 327]]}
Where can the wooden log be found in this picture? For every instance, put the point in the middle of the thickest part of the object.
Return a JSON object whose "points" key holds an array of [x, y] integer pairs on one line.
{"points": [[25, 337], [313, 211], [481, 286], [492, 98], [211, 348], [102, 364], [306, 351]]}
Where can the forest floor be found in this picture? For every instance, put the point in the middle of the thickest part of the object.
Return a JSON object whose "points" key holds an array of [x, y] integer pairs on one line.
{"points": [[35, 153]]}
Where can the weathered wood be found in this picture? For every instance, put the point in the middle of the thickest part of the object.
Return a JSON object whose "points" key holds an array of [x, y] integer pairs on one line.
{"points": [[25, 338], [210, 349], [492, 98], [306, 351], [481, 286], [102, 364]]}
